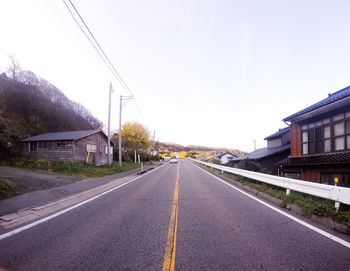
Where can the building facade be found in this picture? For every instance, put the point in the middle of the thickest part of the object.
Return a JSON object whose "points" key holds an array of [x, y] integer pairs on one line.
{"points": [[320, 141], [278, 148], [226, 157], [85, 146]]}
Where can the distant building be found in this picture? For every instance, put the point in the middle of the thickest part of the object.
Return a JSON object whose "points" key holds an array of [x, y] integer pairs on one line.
{"points": [[320, 141], [278, 148], [226, 157], [90, 146]]}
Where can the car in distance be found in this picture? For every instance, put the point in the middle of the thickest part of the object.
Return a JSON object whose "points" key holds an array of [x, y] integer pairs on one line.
{"points": [[173, 159]]}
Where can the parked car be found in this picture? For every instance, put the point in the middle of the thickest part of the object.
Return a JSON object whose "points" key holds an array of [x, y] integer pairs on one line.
{"points": [[173, 159]]}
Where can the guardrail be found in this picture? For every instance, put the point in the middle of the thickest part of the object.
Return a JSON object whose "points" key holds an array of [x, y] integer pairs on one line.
{"points": [[336, 193]]}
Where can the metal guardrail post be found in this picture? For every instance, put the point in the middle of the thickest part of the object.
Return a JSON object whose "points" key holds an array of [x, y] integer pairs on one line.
{"points": [[337, 205]]}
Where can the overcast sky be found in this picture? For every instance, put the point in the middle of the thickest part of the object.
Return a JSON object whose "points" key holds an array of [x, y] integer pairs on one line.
{"points": [[215, 73]]}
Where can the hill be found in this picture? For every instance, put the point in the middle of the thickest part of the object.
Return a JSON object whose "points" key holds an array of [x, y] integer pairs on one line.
{"points": [[203, 152], [30, 105]]}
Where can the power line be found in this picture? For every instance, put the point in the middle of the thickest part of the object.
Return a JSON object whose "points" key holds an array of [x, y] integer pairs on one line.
{"points": [[99, 50]]}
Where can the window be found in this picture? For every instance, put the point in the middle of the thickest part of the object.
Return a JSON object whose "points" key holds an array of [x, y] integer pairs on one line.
{"points": [[341, 132], [110, 150], [331, 134], [33, 146], [315, 138], [50, 145], [305, 143], [326, 136], [42, 145], [91, 147], [61, 145], [292, 175]]}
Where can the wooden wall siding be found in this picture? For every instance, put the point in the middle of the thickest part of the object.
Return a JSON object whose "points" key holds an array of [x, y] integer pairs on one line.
{"points": [[75, 150], [50, 154], [97, 158], [314, 173], [311, 175], [295, 138]]}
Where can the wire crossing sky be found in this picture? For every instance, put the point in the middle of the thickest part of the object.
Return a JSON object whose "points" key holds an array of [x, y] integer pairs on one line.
{"points": [[215, 73], [96, 45]]}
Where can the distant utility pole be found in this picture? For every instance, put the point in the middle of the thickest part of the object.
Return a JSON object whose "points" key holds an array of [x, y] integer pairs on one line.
{"points": [[254, 145], [154, 135], [122, 98], [109, 123]]}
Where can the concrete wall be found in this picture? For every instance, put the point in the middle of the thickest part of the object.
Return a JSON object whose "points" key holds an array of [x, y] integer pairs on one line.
{"points": [[274, 143]]}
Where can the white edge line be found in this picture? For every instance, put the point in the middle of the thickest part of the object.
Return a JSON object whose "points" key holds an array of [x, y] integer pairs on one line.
{"points": [[31, 225], [322, 232]]}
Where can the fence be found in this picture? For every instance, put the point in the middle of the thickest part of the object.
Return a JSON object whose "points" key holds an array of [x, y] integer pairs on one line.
{"points": [[336, 193]]}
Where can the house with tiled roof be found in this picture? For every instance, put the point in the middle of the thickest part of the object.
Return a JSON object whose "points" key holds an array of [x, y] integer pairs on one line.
{"points": [[277, 149], [225, 157], [86, 146], [320, 141]]}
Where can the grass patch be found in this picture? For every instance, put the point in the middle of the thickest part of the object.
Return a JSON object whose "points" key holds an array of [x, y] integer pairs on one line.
{"points": [[309, 205], [8, 189], [70, 168]]}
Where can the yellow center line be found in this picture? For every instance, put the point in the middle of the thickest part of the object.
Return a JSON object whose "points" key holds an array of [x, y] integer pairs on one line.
{"points": [[170, 250]]}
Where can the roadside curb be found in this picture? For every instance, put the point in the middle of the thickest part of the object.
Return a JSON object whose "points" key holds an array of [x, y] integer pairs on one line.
{"points": [[343, 228]]}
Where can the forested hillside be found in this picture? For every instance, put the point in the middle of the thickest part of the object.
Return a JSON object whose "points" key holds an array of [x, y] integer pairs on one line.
{"points": [[30, 105], [203, 150]]}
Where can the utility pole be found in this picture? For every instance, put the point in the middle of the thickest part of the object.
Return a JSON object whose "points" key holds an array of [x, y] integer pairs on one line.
{"points": [[122, 98], [109, 123], [254, 145]]}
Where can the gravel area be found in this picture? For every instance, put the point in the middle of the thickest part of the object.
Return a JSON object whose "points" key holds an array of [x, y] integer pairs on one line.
{"points": [[29, 181]]}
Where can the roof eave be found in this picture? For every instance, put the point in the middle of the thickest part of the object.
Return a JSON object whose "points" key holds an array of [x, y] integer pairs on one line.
{"points": [[318, 111]]}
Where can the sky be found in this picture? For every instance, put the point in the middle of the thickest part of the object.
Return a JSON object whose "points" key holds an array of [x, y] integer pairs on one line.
{"points": [[213, 73]]}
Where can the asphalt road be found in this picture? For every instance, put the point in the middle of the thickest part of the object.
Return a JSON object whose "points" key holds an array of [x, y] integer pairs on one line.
{"points": [[218, 228]]}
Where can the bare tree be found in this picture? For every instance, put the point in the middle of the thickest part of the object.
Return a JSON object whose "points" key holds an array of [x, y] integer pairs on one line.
{"points": [[14, 67]]}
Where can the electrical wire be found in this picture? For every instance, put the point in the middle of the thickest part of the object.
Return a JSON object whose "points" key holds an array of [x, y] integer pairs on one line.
{"points": [[96, 46]]}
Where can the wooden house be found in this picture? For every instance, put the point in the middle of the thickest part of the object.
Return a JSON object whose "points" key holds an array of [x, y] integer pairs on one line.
{"points": [[86, 146], [278, 148], [226, 157], [320, 141]]}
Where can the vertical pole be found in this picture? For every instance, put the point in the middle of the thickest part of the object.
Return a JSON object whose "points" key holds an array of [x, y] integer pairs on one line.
{"points": [[109, 124], [135, 157], [120, 131], [139, 159], [337, 205]]}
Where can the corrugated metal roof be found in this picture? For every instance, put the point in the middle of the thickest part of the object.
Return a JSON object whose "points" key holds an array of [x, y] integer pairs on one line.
{"points": [[277, 134], [336, 96], [71, 135], [264, 152]]}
